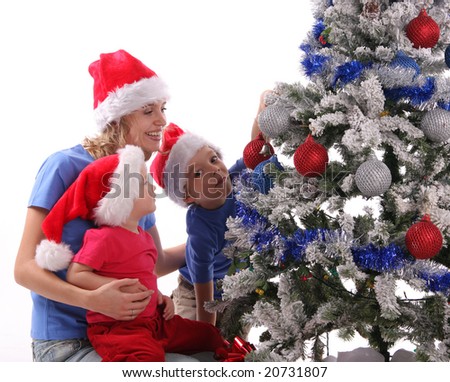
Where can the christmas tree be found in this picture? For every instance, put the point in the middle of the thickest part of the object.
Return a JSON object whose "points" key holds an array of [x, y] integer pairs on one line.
{"points": [[369, 128]]}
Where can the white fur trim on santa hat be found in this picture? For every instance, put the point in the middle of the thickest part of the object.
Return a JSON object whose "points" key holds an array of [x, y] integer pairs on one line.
{"points": [[53, 256], [125, 182], [175, 171], [129, 98]]}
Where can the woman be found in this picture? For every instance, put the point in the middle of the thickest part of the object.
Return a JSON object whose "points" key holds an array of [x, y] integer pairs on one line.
{"points": [[129, 106]]}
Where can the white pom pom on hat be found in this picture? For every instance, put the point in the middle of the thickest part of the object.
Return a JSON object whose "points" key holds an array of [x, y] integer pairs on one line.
{"points": [[123, 84]]}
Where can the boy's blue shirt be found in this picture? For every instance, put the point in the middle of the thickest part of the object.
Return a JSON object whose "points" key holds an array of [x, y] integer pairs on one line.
{"points": [[206, 229]]}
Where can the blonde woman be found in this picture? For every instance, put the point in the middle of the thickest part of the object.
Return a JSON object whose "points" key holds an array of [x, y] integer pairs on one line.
{"points": [[129, 107]]}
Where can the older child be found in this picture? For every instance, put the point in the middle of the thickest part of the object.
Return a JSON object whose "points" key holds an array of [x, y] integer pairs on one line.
{"points": [[115, 193], [192, 173]]}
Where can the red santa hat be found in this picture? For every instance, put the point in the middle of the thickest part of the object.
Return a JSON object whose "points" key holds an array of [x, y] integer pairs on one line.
{"points": [[123, 84], [103, 192], [170, 165]]}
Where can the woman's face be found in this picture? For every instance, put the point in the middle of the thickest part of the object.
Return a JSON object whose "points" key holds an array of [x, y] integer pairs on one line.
{"points": [[146, 126]]}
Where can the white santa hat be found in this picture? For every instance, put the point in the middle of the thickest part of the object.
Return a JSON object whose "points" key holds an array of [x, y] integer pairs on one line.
{"points": [[103, 192], [123, 84], [170, 166]]}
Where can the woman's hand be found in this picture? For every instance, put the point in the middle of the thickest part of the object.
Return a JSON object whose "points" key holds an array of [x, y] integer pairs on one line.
{"points": [[120, 299], [134, 288]]}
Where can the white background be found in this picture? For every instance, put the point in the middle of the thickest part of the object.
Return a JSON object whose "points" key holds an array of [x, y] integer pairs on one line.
{"points": [[217, 57]]}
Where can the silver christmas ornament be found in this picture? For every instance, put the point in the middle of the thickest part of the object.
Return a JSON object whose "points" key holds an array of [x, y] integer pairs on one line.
{"points": [[436, 125], [274, 120], [373, 178]]}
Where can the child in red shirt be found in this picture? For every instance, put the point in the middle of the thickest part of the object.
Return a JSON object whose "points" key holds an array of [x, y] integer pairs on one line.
{"points": [[115, 192]]}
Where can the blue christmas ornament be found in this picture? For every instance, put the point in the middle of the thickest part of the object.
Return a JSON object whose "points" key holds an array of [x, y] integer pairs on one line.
{"points": [[416, 94], [401, 60], [262, 181], [447, 56]]}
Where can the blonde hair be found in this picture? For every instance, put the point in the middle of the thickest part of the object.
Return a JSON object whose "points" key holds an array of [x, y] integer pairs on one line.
{"points": [[112, 138]]}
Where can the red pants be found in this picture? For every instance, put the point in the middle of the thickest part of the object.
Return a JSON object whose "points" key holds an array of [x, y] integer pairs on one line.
{"points": [[148, 339]]}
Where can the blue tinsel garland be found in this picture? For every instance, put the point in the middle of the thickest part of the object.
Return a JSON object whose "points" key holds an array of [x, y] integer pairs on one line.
{"points": [[436, 282], [370, 257], [444, 105], [314, 64], [380, 259], [348, 72], [318, 28]]}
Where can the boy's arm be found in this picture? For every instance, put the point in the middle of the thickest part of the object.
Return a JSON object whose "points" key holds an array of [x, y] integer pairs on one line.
{"points": [[204, 292], [169, 259]]}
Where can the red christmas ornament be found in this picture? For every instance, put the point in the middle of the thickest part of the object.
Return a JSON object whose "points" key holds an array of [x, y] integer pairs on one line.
{"points": [[423, 239], [257, 151], [310, 158], [423, 31]]}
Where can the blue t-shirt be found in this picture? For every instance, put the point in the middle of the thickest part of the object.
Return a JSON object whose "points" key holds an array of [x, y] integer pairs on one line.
{"points": [[206, 229], [52, 320]]}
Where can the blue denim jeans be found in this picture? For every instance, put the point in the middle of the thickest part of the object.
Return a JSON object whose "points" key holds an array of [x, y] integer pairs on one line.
{"points": [[64, 351], [82, 351]]}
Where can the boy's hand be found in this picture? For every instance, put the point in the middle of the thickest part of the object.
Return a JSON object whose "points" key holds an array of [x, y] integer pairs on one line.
{"points": [[169, 307], [262, 99], [262, 105]]}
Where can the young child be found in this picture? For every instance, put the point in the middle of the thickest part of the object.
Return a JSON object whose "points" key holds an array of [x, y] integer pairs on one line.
{"points": [[115, 193], [192, 173]]}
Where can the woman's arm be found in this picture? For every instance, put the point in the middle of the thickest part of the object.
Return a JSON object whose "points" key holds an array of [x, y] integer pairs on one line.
{"points": [[108, 299], [169, 259], [204, 292], [261, 106], [85, 277]]}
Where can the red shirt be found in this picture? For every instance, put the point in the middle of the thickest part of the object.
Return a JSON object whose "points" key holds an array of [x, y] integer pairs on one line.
{"points": [[119, 253]]}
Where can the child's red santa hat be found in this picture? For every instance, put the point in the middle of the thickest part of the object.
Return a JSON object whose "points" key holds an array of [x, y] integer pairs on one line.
{"points": [[170, 166], [103, 192], [123, 84]]}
